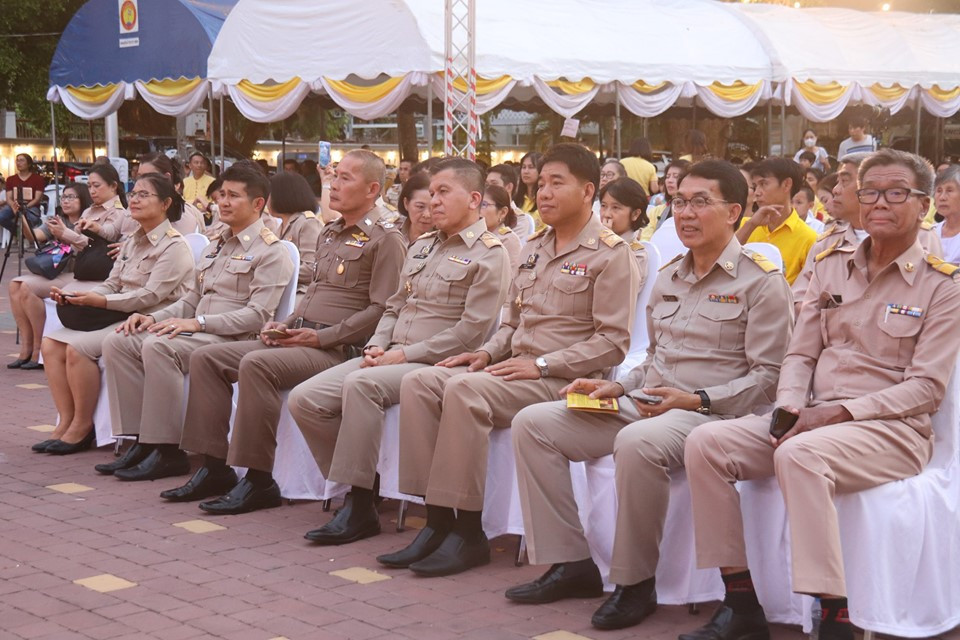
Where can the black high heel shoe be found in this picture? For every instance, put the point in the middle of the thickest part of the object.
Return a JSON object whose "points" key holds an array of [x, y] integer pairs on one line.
{"points": [[41, 447], [19, 362], [61, 448]]}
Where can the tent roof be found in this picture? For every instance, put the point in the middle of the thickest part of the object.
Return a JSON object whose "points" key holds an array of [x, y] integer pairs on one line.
{"points": [[175, 40]]}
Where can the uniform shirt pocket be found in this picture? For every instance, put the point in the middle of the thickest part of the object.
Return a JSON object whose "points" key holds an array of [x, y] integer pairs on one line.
{"points": [[723, 327], [573, 295], [662, 314], [897, 339], [452, 282], [345, 270]]}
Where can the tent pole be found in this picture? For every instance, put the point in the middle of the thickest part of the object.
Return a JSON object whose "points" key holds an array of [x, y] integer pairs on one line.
{"points": [[93, 144], [429, 131], [618, 123], [221, 133], [916, 139], [783, 129], [212, 124], [283, 143], [769, 128], [56, 170]]}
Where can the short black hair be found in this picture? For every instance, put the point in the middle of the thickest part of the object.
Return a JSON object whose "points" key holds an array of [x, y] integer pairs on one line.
{"points": [[215, 186], [628, 192], [828, 182], [733, 186], [780, 168], [506, 172], [255, 183], [809, 156], [419, 181], [857, 120], [291, 193], [640, 148], [468, 173], [806, 190], [578, 159]]}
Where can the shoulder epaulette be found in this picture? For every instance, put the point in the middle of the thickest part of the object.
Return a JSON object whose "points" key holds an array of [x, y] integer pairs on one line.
{"points": [[831, 229], [762, 261], [388, 221], [489, 240], [940, 265], [118, 204], [609, 238], [926, 226], [309, 215], [428, 234], [537, 234], [823, 254], [504, 230], [636, 245], [173, 233], [268, 236], [676, 258]]}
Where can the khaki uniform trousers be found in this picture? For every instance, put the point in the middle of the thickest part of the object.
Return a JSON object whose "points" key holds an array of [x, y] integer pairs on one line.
{"points": [[145, 375], [810, 468], [318, 405], [446, 416], [546, 437], [263, 373]]}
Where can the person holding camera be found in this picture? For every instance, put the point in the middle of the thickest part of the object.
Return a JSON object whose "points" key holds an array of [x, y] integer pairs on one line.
{"points": [[874, 346], [24, 190], [719, 320]]}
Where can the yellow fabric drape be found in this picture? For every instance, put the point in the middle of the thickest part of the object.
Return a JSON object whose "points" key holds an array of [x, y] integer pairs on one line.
{"points": [[643, 87], [573, 88], [95, 94], [888, 94], [359, 93], [736, 92], [484, 85], [171, 88], [267, 93], [941, 95], [821, 93]]}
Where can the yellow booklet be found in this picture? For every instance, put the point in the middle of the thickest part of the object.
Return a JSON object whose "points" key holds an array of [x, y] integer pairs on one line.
{"points": [[583, 402]]}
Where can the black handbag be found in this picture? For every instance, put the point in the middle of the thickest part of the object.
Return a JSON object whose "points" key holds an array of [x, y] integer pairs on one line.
{"points": [[81, 318], [94, 262], [50, 259]]}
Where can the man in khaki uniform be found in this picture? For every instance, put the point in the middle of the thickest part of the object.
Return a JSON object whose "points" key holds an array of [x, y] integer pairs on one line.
{"points": [[873, 348], [569, 316], [453, 285], [357, 265], [719, 320], [239, 283]]}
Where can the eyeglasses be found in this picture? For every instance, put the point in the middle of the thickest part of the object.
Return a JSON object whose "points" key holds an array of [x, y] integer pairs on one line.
{"points": [[895, 195], [697, 203], [68, 197], [138, 195], [608, 174], [487, 203]]}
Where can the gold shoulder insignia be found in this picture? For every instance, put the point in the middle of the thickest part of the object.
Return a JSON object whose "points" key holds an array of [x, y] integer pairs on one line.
{"points": [[609, 238], [173, 233], [636, 245], [762, 261], [940, 265], [537, 234], [676, 258], [268, 236], [829, 230], [428, 234], [489, 240], [118, 204], [309, 215], [823, 254], [503, 230], [389, 220]]}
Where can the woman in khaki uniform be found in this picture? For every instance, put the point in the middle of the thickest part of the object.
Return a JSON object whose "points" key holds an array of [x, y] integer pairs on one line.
{"points": [[28, 291], [500, 218], [623, 206], [292, 201], [151, 271], [414, 203]]}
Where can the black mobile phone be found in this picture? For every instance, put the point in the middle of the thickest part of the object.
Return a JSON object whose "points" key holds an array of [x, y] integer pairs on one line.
{"points": [[782, 421]]}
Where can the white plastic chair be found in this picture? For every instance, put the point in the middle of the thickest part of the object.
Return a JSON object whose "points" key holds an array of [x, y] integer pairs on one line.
{"points": [[198, 242], [639, 340], [769, 251], [667, 241]]}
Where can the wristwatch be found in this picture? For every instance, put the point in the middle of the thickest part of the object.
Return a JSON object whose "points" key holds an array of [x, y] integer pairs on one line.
{"points": [[542, 365], [203, 323], [704, 408]]}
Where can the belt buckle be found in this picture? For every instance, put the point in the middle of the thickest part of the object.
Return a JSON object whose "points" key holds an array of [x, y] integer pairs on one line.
{"points": [[298, 323]]}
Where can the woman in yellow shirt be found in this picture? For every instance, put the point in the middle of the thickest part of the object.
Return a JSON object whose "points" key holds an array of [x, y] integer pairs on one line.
{"points": [[526, 196]]}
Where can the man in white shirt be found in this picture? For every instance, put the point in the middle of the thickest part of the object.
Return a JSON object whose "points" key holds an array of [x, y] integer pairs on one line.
{"points": [[859, 141]]}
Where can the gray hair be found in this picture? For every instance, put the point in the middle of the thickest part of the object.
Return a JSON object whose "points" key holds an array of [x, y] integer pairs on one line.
{"points": [[374, 170], [855, 158], [952, 172], [622, 170], [920, 167]]}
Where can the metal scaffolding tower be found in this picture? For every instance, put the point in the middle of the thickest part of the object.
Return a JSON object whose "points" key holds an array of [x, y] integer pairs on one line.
{"points": [[460, 113]]}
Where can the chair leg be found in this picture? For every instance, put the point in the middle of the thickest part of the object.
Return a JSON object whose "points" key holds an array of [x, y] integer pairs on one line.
{"points": [[326, 505], [867, 635], [116, 447], [521, 552], [401, 516], [693, 608]]}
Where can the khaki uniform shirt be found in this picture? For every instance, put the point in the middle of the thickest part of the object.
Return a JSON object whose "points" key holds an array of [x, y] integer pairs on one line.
{"points": [[573, 307], [303, 230], [451, 291], [725, 333], [511, 242], [883, 348], [355, 271], [217, 228], [639, 251], [151, 271], [240, 279], [109, 215]]}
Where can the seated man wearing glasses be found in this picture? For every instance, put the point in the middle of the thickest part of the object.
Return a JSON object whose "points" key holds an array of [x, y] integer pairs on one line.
{"points": [[719, 320], [874, 345]]}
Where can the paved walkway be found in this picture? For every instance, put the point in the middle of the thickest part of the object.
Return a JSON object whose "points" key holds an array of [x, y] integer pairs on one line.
{"points": [[87, 556]]}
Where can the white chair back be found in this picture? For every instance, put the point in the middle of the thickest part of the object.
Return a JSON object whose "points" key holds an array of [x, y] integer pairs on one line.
{"points": [[639, 340], [667, 241], [767, 250], [198, 242], [288, 300]]}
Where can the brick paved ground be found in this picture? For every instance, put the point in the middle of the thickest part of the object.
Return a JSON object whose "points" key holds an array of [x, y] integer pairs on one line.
{"points": [[109, 561]]}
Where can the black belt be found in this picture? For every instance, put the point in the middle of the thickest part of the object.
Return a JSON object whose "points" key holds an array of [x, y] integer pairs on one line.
{"points": [[300, 323]]}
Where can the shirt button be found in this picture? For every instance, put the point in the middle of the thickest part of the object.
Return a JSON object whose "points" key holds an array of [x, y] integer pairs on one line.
{"points": [[684, 317], [857, 323], [867, 296]]}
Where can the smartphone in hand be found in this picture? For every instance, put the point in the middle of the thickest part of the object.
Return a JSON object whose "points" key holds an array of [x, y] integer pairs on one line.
{"points": [[782, 421], [276, 334], [640, 396]]}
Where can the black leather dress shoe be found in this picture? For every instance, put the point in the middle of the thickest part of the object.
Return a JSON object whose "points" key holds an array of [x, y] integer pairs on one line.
{"points": [[426, 542], [132, 457], [158, 464], [579, 579], [243, 498], [355, 520], [19, 362], [454, 555], [61, 448], [831, 630], [31, 365], [727, 625], [627, 606], [41, 447], [203, 484]]}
